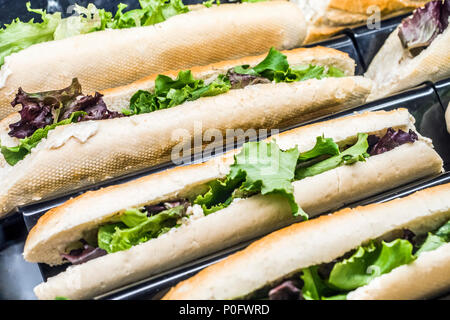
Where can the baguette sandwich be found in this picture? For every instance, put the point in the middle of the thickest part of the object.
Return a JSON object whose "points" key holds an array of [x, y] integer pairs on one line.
{"points": [[125, 233], [416, 52], [327, 17], [63, 140], [398, 250], [105, 51]]}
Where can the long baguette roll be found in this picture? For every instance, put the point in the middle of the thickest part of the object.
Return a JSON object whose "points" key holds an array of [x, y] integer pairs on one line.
{"points": [[322, 240], [107, 59], [263, 214], [327, 17], [394, 70], [114, 147]]}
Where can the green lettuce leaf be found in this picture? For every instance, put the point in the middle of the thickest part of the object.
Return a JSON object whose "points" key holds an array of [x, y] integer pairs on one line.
{"points": [[435, 239], [19, 35], [315, 288], [219, 196], [259, 168], [84, 20], [268, 170], [135, 228], [209, 3], [275, 61], [15, 154], [169, 93], [275, 67], [172, 92], [357, 152], [369, 262], [323, 146], [151, 12]]}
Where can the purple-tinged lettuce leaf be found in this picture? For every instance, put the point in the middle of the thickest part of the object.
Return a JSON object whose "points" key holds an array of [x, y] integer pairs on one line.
{"points": [[445, 14], [37, 108], [46, 108], [288, 290], [239, 80], [94, 106], [419, 30], [83, 255], [157, 208], [15, 154], [392, 139]]}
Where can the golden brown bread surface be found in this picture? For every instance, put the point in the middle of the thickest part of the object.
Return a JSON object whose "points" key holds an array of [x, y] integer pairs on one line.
{"points": [[327, 17], [321, 240], [111, 58]]}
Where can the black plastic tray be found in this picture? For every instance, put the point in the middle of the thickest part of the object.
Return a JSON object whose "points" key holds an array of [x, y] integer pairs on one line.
{"points": [[369, 41], [443, 89]]}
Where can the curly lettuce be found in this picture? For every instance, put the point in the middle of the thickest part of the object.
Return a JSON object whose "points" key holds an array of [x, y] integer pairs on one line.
{"points": [[357, 152], [170, 92], [260, 168], [135, 227], [367, 263]]}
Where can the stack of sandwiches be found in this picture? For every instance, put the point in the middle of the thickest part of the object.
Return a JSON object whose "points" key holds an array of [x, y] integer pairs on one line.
{"points": [[98, 96]]}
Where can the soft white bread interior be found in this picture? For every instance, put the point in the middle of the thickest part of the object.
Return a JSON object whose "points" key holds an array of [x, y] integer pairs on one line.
{"points": [[111, 58], [327, 17], [393, 69], [68, 223], [119, 98], [84, 153], [287, 251]]}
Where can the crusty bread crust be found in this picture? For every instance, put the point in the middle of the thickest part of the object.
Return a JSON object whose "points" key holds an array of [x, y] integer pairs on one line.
{"points": [[119, 98], [393, 70], [328, 17], [112, 58], [110, 148], [226, 227], [317, 241], [385, 6]]}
